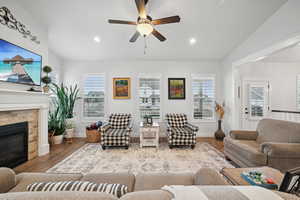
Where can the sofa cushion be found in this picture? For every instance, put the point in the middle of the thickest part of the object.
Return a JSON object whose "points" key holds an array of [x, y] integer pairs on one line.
{"points": [[24, 179], [120, 178], [155, 181], [270, 130], [248, 151], [148, 195], [117, 190], [7, 179], [56, 196]]}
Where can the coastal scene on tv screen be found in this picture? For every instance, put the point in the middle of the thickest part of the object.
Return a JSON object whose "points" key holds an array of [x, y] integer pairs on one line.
{"points": [[18, 65]]}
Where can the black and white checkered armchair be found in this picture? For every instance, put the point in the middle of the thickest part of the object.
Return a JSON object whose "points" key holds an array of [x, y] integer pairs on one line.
{"points": [[116, 133], [180, 132]]}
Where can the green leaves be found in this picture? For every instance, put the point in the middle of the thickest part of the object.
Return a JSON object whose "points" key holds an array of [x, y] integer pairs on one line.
{"points": [[66, 98], [56, 123]]}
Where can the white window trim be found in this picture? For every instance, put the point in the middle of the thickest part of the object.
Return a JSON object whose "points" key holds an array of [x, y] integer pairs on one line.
{"points": [[203, 77], [298, 92], [93, 119], [146, 75]]}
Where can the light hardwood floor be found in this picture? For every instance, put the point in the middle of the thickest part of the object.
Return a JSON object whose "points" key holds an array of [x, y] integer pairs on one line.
{"points": [[60, 152]]}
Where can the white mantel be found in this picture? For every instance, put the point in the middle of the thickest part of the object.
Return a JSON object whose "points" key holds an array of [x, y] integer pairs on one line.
{"points": [[11, 100]]}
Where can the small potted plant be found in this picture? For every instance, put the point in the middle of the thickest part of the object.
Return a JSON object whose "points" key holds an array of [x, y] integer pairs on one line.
{"points": [[219, 134], [69, 130], [56, 127], [46, 79]]}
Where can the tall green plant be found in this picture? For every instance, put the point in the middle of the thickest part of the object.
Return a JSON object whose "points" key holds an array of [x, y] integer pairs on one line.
{"points": [[66, 98], [56, 122]]}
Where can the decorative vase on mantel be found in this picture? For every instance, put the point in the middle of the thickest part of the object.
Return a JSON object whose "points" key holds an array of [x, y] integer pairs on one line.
{"points": [[219, 134]]}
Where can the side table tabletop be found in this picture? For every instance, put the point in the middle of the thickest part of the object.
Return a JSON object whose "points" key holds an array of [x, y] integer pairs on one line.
{"points": [[234, 174], [149, 135]]}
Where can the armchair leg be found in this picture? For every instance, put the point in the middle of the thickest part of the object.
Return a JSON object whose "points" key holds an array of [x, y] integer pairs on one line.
{"points": [[127, 147], [193, 146], [103, 147], [171, 146]]}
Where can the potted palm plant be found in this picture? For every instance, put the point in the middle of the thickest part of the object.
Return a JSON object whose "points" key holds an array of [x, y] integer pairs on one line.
{"points": [[66, 99], [46, 79], [56, 126]]}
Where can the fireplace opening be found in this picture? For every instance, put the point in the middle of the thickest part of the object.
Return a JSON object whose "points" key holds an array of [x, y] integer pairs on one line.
{"points": [[13, 144]]}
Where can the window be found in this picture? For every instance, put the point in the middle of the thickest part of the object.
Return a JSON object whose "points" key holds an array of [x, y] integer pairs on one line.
{"points": [[149, 97], [203, 89], [93, 96], [298, 92]]}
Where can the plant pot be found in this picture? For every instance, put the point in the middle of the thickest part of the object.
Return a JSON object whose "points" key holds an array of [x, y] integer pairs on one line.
{"points": [[69, 133], [57, 139], [219, 134], [46, 89]]}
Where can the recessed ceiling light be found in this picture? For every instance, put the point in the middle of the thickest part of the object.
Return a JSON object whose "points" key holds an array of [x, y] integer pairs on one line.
{"points": [[97, 39], [193, 41]]}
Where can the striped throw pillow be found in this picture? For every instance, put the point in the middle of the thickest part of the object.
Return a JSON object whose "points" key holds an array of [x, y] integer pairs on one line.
{"points": [[117, 190]]}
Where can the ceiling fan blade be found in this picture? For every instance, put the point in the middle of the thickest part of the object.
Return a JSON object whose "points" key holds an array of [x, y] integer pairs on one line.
{"points": [[140, 4], [135, 37], [158, 35], [167, 20], [112, 21]]}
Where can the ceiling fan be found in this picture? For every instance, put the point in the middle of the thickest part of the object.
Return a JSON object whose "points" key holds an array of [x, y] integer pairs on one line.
{"points": [[145, 24]]}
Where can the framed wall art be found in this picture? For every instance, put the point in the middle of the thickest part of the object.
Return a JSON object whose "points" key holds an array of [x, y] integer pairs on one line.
{"points": [[121, 88], [176, 88]]}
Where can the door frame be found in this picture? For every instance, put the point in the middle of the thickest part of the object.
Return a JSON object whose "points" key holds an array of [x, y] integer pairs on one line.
{"points": [[244, 89]]}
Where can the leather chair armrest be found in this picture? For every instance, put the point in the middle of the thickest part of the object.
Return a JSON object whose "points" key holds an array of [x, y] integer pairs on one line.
{"points": [[7, 179], [285, 150], [244, 135]]}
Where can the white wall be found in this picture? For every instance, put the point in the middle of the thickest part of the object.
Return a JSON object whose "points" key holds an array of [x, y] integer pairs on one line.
{"points": [[75, 70], [16, 38], [280, 27], [282, 78], [56, 63]]}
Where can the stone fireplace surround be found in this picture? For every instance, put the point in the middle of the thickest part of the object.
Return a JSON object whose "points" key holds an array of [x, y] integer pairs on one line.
{"points": [[21, 106]]}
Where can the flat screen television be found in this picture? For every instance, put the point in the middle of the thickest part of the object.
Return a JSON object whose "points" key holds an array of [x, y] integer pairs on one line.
{"points": [[18, 65]]}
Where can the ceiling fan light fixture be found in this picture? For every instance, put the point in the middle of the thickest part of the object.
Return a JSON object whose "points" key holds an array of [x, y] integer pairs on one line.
{"points": [[144, 29]]}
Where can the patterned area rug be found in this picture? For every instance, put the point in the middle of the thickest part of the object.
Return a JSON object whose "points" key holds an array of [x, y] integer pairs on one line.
{"points": [[92, 159]]}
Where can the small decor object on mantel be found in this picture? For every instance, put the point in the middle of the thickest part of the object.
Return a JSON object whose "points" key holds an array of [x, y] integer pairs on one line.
{"points": [[46, 79], [219, 134], [7, 19]]}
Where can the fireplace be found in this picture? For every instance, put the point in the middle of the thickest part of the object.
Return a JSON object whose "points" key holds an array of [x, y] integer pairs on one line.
{"points": [[13, 144]]}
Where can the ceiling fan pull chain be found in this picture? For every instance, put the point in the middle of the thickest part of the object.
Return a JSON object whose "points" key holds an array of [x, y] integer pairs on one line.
{"points": [[145, 45]]}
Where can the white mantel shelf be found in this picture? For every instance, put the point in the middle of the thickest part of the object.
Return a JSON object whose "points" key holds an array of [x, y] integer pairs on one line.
{"points": [[19, 92]]}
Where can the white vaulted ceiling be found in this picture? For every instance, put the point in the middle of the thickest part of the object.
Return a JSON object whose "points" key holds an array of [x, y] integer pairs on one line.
{"points": [[218, 26]]}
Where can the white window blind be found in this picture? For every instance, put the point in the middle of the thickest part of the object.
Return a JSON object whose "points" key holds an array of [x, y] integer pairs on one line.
{"points": [[204, 97], [149, 97], [94, 96], [298, 92]]}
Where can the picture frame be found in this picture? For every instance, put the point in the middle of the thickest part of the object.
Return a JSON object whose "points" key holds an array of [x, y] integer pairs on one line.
{"points": [[176, 89], [121, 88]]}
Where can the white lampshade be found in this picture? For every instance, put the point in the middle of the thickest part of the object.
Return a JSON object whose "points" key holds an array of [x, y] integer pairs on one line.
{"points": [[144, 29]]}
